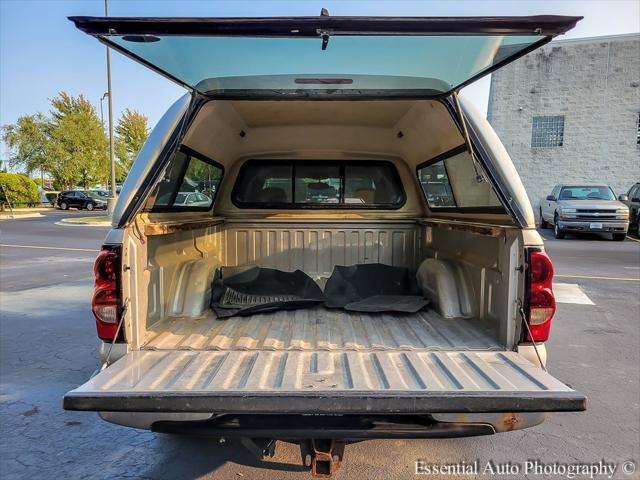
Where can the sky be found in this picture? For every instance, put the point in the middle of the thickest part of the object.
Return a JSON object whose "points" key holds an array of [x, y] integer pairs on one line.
{"points": [[42, 53]]}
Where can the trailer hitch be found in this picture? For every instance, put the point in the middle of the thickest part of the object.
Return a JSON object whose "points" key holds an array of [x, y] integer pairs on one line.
{"points": [[322, 456]]}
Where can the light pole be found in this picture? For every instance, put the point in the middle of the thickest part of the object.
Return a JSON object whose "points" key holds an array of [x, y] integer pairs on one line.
{"points": [[106, 94], [112, 197]]}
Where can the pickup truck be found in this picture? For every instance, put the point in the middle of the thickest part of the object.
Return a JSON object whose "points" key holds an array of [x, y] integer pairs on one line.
{"points": [[366, 264]]}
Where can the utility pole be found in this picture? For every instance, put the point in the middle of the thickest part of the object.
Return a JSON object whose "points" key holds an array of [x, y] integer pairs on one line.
{"points": [[112, 197]]}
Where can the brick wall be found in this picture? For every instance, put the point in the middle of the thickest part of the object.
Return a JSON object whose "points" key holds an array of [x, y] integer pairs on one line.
{"points": [[595, 84]]}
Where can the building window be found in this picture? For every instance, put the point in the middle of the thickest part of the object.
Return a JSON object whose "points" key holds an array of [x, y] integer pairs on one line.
{"points": [[547, 131]]}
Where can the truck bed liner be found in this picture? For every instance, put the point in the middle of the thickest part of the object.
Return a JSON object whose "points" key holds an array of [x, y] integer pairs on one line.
{"points": [[322, 329]]}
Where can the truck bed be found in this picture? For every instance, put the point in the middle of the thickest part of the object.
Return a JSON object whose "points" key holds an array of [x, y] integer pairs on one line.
{"points": [[323, 329], [323, 362], [322, 381]]}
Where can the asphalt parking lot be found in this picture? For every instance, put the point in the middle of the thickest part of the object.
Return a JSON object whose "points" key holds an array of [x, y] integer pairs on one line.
{"points": [[48, 346]]}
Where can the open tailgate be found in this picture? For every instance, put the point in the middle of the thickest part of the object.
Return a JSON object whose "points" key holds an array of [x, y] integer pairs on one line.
{"points": [[324, 382]]}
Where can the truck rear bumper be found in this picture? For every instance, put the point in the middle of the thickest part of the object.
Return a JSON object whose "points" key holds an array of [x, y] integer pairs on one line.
{"points": [[348, 427], [327, 426]]}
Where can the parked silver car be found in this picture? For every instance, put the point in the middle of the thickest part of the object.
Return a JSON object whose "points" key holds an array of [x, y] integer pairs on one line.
{"points": [[585, 208], [193, 199]]}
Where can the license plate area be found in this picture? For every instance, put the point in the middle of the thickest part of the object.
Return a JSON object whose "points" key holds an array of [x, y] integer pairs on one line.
{"points": [[595, 226]]}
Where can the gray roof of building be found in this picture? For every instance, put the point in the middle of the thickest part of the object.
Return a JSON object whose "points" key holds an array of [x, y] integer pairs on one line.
{"points": [[600, 39]]}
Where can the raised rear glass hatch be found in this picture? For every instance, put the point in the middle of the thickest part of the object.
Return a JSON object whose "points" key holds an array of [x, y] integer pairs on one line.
{"points": [[421, 56]]}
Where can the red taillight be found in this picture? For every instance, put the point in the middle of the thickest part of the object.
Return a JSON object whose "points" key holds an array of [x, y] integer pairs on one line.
{"points": [[106, 296], [542, 304]]}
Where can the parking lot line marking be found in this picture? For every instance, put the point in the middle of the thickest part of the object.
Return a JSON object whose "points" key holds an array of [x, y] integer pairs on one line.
{"points": [[634, 239], [50, 248], [570, 293], [593, 277]]}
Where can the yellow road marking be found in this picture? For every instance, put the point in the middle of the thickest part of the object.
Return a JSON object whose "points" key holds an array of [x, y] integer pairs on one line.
{"points": [[634, 239], [592, 277], [50, 248]]}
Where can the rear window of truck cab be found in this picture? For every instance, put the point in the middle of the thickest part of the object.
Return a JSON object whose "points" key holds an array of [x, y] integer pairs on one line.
{"points": [[318, 184]]}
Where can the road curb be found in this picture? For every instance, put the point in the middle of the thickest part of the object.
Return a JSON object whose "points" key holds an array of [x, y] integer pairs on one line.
{"points": [[77, 222], [18, 217]]}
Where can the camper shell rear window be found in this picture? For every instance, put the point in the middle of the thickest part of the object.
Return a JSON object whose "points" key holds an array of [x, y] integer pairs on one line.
{"points": [[319, 184]]}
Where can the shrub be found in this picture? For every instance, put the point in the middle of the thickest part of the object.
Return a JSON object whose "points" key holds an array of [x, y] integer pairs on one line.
{"points": [[19, 190], [51, 198]]}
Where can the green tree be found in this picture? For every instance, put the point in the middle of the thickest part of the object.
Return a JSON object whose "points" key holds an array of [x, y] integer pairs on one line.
{"points": [[27, 142], [18, 190], [131, 132], [77, 146]]}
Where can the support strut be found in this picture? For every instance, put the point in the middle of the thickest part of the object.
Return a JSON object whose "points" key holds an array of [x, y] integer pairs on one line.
{"points": [[480, 177]]}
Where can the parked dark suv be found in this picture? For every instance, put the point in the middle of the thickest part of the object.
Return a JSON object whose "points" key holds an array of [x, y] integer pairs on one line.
{"points": [[81, 200], [633, 202]]}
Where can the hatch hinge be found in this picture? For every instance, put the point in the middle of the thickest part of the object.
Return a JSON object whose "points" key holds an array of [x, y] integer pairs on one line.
{"points": [[324, 34], [480, 176]]}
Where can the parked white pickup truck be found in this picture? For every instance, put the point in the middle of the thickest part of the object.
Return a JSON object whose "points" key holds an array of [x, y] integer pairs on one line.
{"points": [[364, 262]]}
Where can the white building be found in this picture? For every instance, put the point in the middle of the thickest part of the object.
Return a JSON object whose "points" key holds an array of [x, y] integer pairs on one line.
{"points": [[570, 112]]}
